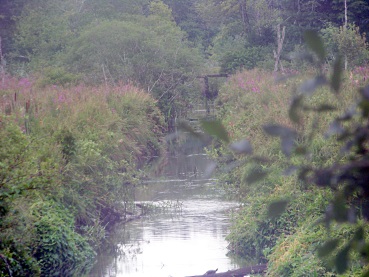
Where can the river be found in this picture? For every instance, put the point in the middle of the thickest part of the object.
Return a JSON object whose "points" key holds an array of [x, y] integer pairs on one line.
{"points": [[186, 237]]}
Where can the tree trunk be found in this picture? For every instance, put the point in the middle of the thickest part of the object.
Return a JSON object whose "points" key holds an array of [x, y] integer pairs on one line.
{"points": [[277, 54], [345, 14], [244, 16], [2, 65], [345, 27]]}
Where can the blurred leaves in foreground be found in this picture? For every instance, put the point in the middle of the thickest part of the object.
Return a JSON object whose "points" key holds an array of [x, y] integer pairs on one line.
{"points": [[347, 176]]}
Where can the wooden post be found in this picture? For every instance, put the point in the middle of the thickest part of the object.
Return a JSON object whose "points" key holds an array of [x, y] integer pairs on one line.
{"points": [[206, 93], [206, 89]]}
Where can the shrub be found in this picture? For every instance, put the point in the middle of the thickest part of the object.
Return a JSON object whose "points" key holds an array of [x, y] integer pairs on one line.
{"points": [[57, 76], [58, 249], [347, 42]]}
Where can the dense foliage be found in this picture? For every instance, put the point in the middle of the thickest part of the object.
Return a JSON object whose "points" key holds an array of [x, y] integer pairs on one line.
{"points": [[306, 195], [131, 42], [69, 160]]}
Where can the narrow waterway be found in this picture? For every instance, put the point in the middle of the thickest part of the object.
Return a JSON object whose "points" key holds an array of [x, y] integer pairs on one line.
{"points": [[187, 234]]}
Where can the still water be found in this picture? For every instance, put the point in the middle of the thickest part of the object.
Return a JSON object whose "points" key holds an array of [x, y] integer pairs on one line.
{"points": [[187, 237]]}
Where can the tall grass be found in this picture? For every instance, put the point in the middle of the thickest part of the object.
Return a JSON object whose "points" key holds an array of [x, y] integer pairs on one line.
{"points": [[91, 142], [254, 98], [122, 108]]}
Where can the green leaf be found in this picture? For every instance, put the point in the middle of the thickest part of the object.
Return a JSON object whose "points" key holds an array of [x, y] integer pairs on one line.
{"points": [[304, 173], [293, 112], [241, 147], [232, 165], [277, 208], [279, 130], [323, 177], [365, 92], [286, 134], [340, 210], [335, 128], [185, 127], [328, 247], [363, 248], [359, 234], [210, 169], [325, 108], [301, 56], [349, 114], [364, 106], [315, 43], [261, 160], [365, 274], [284, 78], [287, 145], [301, 150], [290, 170], [309, 86], [215, 128], [255, 176], [341, 261], [337, 75]]}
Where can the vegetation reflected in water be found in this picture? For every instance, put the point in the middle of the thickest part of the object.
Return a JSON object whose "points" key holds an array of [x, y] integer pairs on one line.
{"points": [[187, 237]]}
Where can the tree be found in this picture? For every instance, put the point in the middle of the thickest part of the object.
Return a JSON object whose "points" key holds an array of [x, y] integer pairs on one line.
{"points": [[45, 27], [108, 41], [149, 51], [248, 18], [9, 11], [42, 33], [347, 42], [245, 31], [350, 11], [187, 17], [277, 54]]}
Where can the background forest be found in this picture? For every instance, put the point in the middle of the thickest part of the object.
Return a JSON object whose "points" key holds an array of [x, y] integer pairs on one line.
{"points": [[89, 87]]}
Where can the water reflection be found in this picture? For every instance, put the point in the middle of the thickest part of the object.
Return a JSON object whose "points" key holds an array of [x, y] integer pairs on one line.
{"points": [[179, 242]]}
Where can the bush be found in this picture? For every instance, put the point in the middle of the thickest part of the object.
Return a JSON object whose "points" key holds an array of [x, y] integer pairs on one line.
{"points": [[347, 42], [26, 166], [57, 76], [15, 260], [59, 250]]}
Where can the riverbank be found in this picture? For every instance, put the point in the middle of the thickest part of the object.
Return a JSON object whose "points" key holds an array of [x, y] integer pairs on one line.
{"points": [[70, 158], [289, 242]]}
